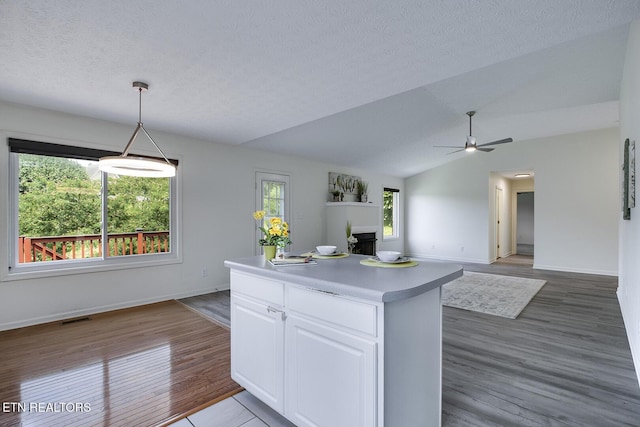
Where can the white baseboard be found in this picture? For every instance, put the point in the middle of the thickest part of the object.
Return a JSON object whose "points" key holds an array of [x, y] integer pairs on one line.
{"points": [[450, 259], [109, 307], [574, 270]]}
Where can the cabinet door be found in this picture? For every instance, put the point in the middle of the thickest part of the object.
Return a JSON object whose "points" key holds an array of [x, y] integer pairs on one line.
{"points": [[331, 376], [257, 346]]}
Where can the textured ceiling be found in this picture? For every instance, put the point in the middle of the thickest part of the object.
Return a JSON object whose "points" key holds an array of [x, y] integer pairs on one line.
{"points": [[367, 84]]}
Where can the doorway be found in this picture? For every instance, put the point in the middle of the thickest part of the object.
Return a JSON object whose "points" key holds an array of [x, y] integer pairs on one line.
{"points": [[499, 232], [525, 224]]}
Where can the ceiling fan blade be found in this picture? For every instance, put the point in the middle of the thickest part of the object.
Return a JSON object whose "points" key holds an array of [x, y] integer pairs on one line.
{"points": [[485, 150], [501, 141], [457, 151], [448, 146]]}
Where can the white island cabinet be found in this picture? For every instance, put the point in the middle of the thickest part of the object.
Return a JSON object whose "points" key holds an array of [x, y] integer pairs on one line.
{"points": [[338, 343]]}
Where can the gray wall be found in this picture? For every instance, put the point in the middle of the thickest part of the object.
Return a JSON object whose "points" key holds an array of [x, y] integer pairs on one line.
{"points": [[629, 279], [524, 233]]}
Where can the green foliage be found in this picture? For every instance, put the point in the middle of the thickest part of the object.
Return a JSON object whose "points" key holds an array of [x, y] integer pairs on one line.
{"points": [[387, 209], [58, 198], [273, 198], [138, 203]]}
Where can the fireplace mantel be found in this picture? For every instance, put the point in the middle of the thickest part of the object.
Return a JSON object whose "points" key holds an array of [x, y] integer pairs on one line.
{"points": [[358, 204], [364, 218]]}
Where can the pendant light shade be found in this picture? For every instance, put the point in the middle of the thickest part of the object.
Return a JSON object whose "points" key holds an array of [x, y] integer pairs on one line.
{"points": [[135, 165]]}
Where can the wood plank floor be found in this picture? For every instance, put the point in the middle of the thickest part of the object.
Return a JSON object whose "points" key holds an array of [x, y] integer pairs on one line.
{"points": [[215, 306], [143, 366], [565, 361]]}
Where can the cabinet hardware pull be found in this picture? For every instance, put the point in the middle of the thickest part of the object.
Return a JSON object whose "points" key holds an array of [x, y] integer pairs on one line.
{"points": [[324, 292], [270, 309]]}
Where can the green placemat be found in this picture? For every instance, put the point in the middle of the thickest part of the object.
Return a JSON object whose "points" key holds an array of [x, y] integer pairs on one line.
{"points": [[318, 256], [372, 263]]}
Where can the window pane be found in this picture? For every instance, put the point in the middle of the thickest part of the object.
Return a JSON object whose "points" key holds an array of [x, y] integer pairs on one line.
{"points": [[388, 214], [138, 215], [273, 199], [59, 209]]}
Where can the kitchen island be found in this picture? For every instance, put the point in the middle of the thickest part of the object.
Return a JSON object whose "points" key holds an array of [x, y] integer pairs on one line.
{"points": [[340, 343]]}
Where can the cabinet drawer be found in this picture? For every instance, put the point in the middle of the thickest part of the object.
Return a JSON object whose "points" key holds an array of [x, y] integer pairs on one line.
{"points": [[335, 309], [258, 287]]}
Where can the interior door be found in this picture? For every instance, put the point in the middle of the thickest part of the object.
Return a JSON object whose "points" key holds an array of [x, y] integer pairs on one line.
{"points": [[498, 222], [272, 196]]}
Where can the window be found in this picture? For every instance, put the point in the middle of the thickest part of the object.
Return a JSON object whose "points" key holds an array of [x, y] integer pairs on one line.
{"points": [[391, 203], [272, 197], [69, 214]]}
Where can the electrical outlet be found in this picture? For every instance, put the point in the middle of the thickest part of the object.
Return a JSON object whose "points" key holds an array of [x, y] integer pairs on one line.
{"points": [[461, 248], [205, 272], [433, 246]]}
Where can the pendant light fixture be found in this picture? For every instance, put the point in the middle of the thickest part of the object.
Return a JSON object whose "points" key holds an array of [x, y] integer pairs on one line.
{"points": [[135, 165]]}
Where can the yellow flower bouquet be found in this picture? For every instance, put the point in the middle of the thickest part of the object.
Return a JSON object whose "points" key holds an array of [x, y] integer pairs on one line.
{"points": [[275, 231]]}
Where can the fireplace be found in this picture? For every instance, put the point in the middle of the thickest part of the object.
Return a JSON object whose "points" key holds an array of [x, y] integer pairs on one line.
{"points": [[366, 243]]}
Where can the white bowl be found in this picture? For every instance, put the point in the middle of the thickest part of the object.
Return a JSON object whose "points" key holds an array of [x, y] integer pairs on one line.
{"points": [[326, 250], [388, 256]]}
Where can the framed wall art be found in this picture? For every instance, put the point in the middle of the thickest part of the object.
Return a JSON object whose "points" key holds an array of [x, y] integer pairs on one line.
{"points": [[628, 178], [341, 184]]}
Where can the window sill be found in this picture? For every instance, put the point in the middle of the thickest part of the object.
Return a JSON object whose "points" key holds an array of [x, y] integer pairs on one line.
{"points": [[55, 270]]}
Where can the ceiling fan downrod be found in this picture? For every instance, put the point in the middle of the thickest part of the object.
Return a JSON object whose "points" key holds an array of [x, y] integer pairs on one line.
{"points": [[470, 114]]}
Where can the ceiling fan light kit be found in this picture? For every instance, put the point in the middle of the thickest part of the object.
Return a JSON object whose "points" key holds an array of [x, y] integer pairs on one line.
{"points": [[471, 144], [135, 165]]}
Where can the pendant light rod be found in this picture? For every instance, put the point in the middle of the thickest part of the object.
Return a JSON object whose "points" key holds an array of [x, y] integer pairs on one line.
{"points": [[133, 138], [134, 165], [141, 86], [154, 143]]}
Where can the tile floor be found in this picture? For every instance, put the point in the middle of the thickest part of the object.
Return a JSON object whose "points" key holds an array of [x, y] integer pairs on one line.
{"points": [[241, 409]]}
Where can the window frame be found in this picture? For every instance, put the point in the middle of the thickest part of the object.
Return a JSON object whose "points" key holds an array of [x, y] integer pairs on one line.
{"points": [[271, 176], [395, 214], [17, 271]]}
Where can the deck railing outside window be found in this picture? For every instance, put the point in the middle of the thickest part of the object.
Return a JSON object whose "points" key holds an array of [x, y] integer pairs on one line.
{"points": [[53, 248]]}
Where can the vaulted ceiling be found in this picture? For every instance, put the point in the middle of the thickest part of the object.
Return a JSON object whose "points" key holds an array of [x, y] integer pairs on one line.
{"points": [[366, 84]]}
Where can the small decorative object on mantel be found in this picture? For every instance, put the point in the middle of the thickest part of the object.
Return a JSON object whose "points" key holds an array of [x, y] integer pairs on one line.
{"points": [[275, 234], [362, 191], [344, 185], [351, 240]]}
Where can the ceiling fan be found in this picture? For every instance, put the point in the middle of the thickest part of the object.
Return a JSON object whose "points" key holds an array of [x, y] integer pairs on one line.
{"points": [[471, 145]]}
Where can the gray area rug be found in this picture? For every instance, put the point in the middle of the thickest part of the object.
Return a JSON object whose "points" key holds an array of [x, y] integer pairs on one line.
{"points": [[503, 296]]}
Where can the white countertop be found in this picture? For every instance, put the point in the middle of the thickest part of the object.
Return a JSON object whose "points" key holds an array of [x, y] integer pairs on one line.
{"points": [[346, 276]]}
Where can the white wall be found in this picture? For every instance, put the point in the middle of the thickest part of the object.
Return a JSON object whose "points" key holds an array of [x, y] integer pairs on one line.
{"points": [[497, 181], [577, 203], [629, 278], [217, 183]]}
